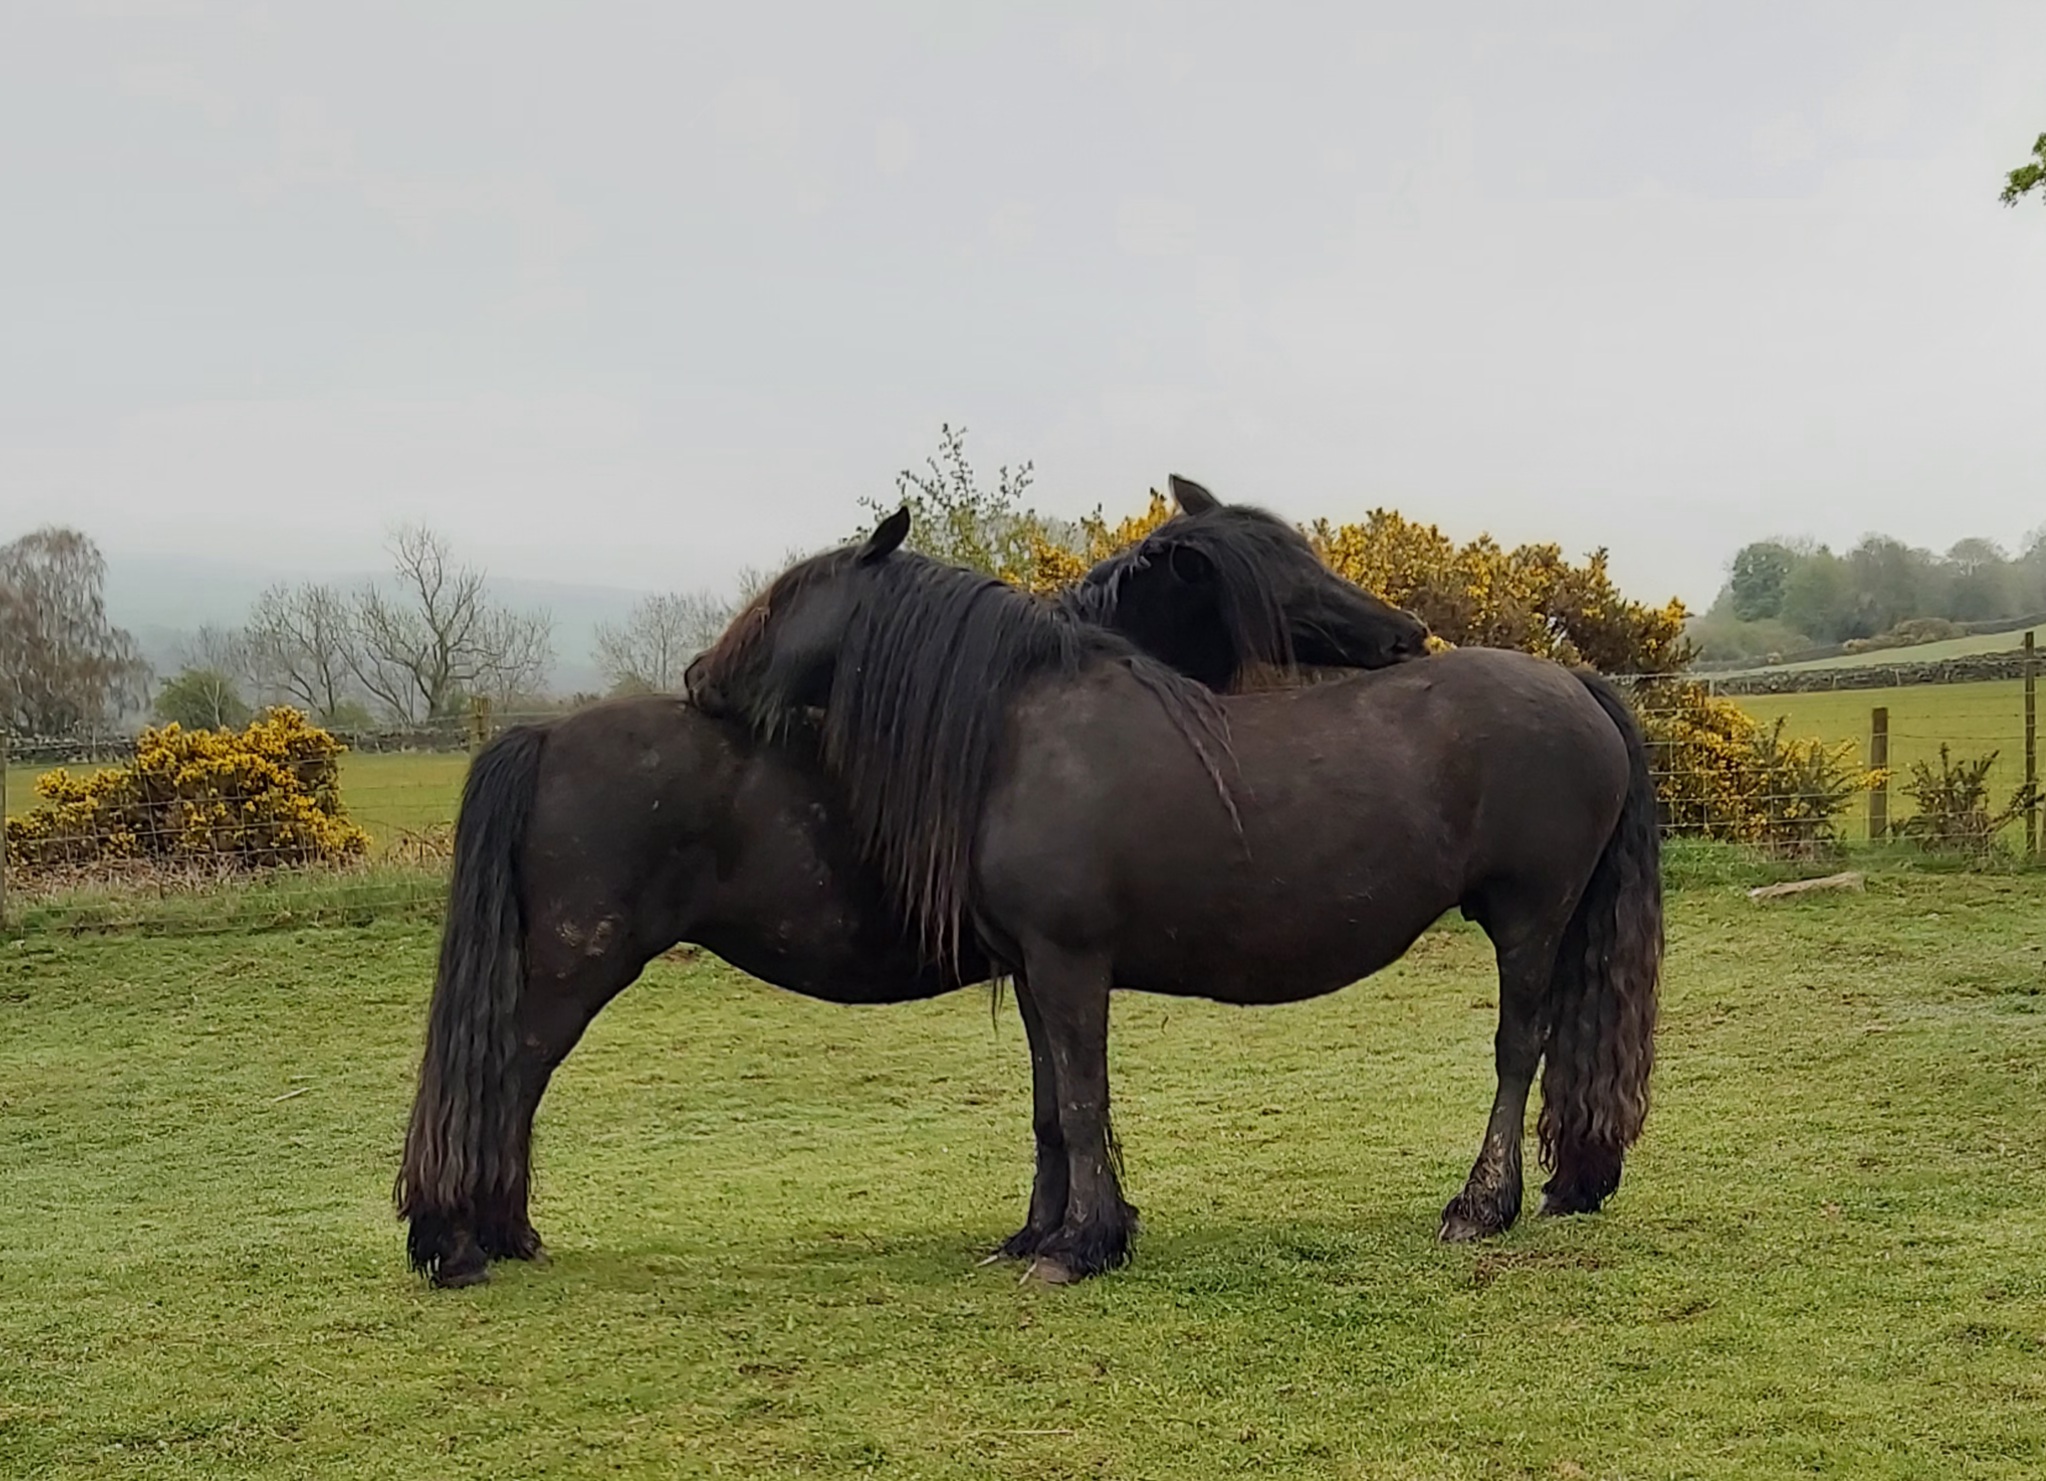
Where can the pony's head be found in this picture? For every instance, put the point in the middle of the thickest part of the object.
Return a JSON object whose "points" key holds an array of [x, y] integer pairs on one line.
{"points": [[776, 658], [1220, 589], [916, 665]]}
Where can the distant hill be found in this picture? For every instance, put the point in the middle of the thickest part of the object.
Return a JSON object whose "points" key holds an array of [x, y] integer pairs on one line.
{"points": [[161, 599]]}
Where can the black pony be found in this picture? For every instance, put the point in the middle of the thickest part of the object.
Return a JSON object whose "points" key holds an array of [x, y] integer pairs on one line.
{"points": [[1223, 590], [588, 845], [1097, 821]]}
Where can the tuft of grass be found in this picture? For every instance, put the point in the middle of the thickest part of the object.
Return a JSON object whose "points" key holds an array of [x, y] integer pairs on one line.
{"points": [[277, 900], [765, 1215]]}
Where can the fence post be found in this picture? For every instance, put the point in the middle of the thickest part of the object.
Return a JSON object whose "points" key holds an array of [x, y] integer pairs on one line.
{"points": [[2031, 745], [1879, 761], [479, 723]]}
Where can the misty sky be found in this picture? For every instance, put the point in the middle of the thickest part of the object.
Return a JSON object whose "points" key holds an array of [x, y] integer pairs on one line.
{"points": [[639, 294]]}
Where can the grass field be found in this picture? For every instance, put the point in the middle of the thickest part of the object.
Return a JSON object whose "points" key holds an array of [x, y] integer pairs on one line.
{"points": [[1938, 652], [765, 1215], [1971, 718]]}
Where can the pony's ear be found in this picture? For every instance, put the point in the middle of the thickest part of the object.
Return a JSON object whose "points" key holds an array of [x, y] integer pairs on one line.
{"points": [[887, 535], [1191, 497]]}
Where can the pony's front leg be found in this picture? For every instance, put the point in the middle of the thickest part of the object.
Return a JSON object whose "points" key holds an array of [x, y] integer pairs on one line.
{"points": [[1048, 1185], [1070, 997]]}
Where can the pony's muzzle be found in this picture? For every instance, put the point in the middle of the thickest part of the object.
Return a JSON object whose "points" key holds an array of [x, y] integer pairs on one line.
{"points": [[1413, 641], [697, 688]]}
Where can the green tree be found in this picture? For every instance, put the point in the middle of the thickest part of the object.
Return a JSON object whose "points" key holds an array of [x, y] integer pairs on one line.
{"points": [[2027, 177], [2028, 577], [954, 519], [202, 699], [1980, 582], [1893, 582], [1818, 597], [1755, 585]]}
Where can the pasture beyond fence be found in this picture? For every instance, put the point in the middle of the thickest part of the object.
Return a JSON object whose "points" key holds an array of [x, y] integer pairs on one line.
{"points": [[401, 788]]}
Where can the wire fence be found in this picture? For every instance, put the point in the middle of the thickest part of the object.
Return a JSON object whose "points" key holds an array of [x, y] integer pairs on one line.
{"points": [[239, 859], [1895, 740]]}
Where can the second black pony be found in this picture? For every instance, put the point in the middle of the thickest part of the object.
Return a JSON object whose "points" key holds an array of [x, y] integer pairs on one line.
{"points": [[1096, 821], [587, 846]]}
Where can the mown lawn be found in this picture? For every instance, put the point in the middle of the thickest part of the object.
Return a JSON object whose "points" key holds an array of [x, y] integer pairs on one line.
{"points": [[765, 1215]]}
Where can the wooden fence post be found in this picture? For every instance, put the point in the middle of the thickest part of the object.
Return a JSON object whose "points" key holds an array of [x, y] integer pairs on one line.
{"points": [[479, 723], [2031, 745], [1879, 760]]}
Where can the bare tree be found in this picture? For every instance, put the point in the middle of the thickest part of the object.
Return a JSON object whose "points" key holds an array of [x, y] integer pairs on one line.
{"points": [[647, 652], [753, 580], [63, 666], [434, 636], [298, 644], [221, 650]]}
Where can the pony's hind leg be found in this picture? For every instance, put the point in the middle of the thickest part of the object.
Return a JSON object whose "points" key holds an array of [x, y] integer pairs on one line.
{"points": [[1490, 1200], [1048, 1185], [1071, 998], [563, 994]]}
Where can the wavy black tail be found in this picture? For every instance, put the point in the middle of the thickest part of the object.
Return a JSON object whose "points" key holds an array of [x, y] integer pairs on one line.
{"points": [[463, 1182], [1602, 1001]]}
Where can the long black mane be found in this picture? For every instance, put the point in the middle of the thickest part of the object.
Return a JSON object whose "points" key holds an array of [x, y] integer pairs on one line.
{"points": [[1249, 551], [931, 660]]}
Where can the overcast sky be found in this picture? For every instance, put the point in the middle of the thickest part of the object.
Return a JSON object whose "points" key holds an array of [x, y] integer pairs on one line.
{"points": [[638, 294]]}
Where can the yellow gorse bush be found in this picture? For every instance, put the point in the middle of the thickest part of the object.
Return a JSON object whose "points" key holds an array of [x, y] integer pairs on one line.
{"points": [[264, 796], [1481, 595], [1720, 774], [1475, 594], [1051, 565]]}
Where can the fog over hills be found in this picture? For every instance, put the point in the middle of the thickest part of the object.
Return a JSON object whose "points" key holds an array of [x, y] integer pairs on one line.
{"points": [[163, 598]]}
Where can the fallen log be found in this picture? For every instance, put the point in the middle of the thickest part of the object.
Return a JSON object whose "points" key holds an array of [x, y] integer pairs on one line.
{"points": [[1851, 880]]}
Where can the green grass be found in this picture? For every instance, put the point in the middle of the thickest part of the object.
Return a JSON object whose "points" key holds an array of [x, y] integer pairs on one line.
{"points": [[21, 784], [765, 1214], [389, 794], [1946, 648], [1973, 719]]}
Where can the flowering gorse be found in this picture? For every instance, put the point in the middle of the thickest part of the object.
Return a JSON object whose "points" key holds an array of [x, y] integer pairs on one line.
{"points": [[264, 796]]}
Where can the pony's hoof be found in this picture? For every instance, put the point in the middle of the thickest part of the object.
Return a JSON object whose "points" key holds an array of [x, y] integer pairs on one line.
{"points": [[1049, 1272], [1456, 1230], [1468, 1219], [1076, 1253], [1021, 1245], [456, 1277], [1562, 1206]]}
